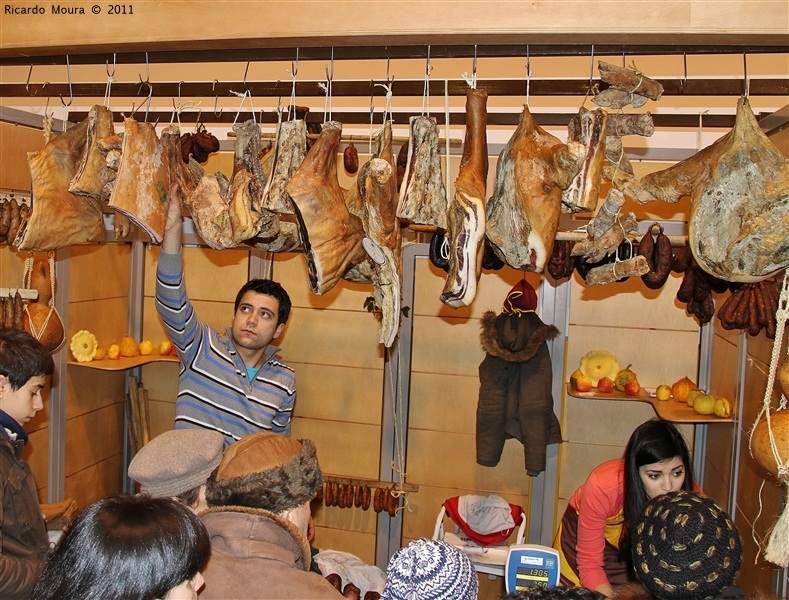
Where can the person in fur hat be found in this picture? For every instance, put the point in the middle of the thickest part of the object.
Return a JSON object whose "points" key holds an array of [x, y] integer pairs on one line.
{"points": [[515, 380], [259, 511]]}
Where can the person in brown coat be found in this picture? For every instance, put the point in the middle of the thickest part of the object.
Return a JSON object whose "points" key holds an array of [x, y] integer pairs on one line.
{"points": [[258, 517]]}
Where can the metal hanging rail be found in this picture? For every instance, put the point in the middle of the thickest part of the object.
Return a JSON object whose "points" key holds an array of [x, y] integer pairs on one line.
{"points": [[223, 51]]}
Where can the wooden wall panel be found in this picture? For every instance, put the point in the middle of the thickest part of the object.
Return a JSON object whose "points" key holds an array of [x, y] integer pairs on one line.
{"points": [[15, 142]]}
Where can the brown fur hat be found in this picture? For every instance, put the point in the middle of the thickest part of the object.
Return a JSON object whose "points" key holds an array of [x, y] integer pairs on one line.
{"points": [[266, 470]]}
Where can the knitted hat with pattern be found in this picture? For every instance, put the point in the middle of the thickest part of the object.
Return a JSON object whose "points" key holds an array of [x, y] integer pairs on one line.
{"points": [[430, 570], [685, 547]]}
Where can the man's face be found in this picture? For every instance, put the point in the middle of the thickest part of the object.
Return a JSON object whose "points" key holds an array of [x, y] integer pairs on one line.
{"points": [[22, 404], [255, 321]]}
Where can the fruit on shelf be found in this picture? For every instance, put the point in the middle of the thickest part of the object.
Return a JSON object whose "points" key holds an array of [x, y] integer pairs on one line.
{"points": [[605, 385], [632, 388], [166, 347], [128, 347], [145, 348], [663, 392], [722, 408], [114, 352], [101, 354], [598, 364], [623, 377], [704, 404], [681, 388], [692, 395], [582, 383], [83, 346]]}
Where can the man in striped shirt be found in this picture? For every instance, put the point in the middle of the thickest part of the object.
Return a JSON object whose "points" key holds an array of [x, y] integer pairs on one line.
{"points": [[232, 383]]}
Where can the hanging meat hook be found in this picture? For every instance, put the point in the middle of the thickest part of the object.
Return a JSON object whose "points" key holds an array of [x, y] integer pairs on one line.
{"points": [[110, 78], [426, 90], [27, 84], [147, 83], [294, 70], [70, 91], [685, 78], [216, 99], [327, 88], [244, 95], [746, 90], [528, 74]]}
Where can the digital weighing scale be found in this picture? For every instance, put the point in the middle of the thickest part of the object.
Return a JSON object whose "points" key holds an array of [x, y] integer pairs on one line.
{"points": [[530, 565]]}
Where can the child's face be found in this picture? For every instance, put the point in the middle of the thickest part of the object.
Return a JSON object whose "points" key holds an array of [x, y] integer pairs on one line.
{"points": [[22, 404]]}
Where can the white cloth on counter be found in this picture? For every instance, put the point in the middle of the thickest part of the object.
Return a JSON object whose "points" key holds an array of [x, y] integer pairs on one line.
{"points": [[486, 514], [352, 569]]}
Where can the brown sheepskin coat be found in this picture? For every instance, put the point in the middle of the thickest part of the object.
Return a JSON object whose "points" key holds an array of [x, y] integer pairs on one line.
{"points": [[515, 398], [258, 554]]}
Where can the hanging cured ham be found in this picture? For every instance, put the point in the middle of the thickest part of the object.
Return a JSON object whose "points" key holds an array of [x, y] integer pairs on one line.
{"points": [[180, 175], [93, 172], [224, 211], [377, 185], [58, 217], [423, 198], [523, 213], [330, 235], [739, 211], [589, 128], [466, 215], [143, 178]]}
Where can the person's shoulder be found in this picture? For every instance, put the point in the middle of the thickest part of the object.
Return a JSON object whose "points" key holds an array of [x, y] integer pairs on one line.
{"points": [[612, 469]]}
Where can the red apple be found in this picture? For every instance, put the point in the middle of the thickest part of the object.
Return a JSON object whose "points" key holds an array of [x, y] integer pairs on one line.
{"points": [[583, 383], [605, 385], [632, 388], [165, 347]]}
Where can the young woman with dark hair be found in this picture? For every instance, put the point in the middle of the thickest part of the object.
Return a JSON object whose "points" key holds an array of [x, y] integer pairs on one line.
{"points": [[128, 548], [593, 537]]}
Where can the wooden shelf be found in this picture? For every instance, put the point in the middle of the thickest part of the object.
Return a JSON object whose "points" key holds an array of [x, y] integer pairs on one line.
{"points": [[669, 410], [123, 363]]}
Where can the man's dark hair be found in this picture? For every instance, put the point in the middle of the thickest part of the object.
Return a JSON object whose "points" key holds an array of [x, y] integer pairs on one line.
{"points": [[269, 287], [555, 593], [22, 357]]}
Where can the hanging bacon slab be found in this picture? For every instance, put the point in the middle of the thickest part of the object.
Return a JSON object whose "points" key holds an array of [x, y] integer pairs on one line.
{"points": [[739, 215], [180, 175], [143, 178], [466, 214], [523, 213], [330, 235], [224, 211], [377, 185], [93, 172], [58, 217], [589, 128], [423, 198]]}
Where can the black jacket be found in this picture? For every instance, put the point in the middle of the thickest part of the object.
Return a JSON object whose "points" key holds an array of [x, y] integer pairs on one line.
{"points": [[515, 398]]}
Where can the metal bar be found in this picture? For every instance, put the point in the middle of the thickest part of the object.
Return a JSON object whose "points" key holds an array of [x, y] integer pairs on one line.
{"points": [[397, 393], [28, 119], [349, 48], [454, 87], [706, 338], [56, 473], [363, 118]]}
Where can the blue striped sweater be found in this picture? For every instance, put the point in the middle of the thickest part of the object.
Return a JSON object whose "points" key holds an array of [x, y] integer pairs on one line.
{"points": [[213, 389]]}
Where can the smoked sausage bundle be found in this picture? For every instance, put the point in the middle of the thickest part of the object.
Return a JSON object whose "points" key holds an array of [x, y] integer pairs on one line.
{"points": [[659, 256], [753, 307]]}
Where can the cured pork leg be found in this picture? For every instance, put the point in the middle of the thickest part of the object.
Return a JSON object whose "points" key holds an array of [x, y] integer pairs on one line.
{"points": [[523, 213], [588, 127], [143, 178], [466, 216], [224, 211], [93, 172], [330, 235], [183, 178], [289, 152], [739, 214], [59, 218], [377, 185], [423, 198]]}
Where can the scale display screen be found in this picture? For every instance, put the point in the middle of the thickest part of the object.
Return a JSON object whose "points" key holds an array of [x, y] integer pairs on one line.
{"points": [[530, 565]]}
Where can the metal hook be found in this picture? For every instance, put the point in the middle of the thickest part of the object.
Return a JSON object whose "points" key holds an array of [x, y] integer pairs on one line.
{"points": [[27, 85], [244, 83], [216, 99], [329, 78], [528, 74], [114, 65], [591, 68], [428, 68], [388, 63], [147, 100], [746, 84], [294, 70], [685, 78], [474, 67], [70, 91], [426, 89]]}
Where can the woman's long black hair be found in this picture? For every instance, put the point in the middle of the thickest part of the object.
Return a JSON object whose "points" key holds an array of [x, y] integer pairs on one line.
{"points": [[651, 442], [125, 548]]}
